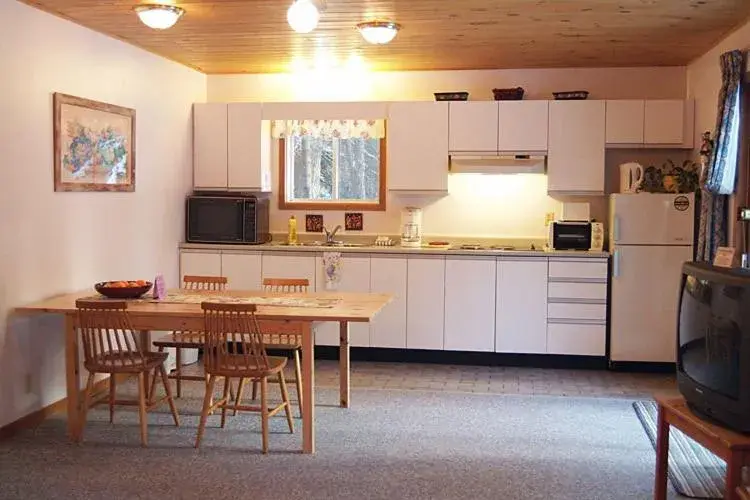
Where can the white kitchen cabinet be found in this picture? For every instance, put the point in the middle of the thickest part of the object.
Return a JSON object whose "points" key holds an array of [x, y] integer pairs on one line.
{"points": [[625, 122], [575, 161], [521, 309], [425, 304], [210, 146], [199, 263], [355, 277], [242, 270], [576, 339], [473, 126], [522, 125], [290, 265], [469, 304], [388, 275], [417, 151], [665, 122], [248, 148]]}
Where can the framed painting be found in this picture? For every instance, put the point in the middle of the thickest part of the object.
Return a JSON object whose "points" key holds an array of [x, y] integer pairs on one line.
{"points": [[94, 145]]}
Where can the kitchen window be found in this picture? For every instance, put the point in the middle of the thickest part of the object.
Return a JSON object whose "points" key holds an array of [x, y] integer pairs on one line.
{"points": [[331, 165]]}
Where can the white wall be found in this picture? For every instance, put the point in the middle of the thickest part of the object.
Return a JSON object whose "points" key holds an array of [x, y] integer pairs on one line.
{"points": [[349, 85], [499, 206], [60, 242]]}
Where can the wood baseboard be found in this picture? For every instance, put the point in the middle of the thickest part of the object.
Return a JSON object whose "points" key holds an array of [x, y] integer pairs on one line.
{"points": [[34, 419]]}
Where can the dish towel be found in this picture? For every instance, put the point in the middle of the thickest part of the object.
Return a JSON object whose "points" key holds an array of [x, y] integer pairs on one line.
{"points": [[332, 265]]}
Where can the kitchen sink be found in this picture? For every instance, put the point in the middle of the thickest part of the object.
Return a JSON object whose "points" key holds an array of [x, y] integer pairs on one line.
{"points": [[333, 244]]}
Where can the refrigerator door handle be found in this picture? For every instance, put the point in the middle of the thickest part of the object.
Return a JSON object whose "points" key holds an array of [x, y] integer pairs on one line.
{"points": [[616, 264]]}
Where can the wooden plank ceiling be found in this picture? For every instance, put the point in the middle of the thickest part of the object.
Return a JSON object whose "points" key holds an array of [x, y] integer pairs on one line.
{"points": [[252, 36]]}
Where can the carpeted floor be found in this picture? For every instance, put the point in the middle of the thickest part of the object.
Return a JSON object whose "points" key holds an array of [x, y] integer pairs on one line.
{"points": [[389, 445]]}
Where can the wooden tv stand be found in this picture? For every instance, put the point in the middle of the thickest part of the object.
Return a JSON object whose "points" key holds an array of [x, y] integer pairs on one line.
{"points": [[732, 447]]}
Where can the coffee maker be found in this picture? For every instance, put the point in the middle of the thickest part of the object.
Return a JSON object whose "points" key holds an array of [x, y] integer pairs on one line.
{"points": [[411, 227]]}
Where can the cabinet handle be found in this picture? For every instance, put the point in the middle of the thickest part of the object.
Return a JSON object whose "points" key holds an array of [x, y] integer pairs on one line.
{"points": [[616, 264]]}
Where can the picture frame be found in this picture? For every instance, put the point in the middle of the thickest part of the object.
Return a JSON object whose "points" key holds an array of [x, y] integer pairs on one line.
{"points": [[725, 257], [94, 145]]}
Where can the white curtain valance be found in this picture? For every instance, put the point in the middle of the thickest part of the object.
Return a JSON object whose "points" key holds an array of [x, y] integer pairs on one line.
{"points": [[329, 129]]}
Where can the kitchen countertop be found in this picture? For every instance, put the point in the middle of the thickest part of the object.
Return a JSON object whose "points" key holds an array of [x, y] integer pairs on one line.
{"points": [[283, 247]]}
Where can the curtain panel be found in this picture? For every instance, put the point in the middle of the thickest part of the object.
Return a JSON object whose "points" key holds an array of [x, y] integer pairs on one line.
{"points": [[329, 129], [719, 177]]}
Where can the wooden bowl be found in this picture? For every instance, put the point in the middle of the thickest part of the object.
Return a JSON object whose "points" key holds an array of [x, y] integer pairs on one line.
{"points": [[122, 292]]}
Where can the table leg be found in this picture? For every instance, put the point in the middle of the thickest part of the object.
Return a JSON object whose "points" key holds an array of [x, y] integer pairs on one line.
{"points": [[734, 476], [344, 363], [662, 457], [308, 389], [72, 375], [145, 340]]}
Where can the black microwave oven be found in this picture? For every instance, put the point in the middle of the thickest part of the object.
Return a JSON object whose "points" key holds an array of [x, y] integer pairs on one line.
{"points": [[233, 219]]}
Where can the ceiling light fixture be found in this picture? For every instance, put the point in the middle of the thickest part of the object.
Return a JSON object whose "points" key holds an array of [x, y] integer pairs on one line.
{"points": [[303, 16], [158, 16], [378, 32]]}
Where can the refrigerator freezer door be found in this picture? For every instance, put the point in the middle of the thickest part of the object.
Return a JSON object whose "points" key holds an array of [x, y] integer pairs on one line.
{"points": [[651, 219], [643, 302]]}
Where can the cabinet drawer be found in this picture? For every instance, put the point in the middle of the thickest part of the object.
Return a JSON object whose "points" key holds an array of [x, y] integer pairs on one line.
{"points": [[561, 310], [590, 291], [577, 269], [583, 340]]}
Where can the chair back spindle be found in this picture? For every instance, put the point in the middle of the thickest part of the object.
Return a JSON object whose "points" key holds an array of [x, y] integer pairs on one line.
{"points": [[208, 283], [286, 285]]}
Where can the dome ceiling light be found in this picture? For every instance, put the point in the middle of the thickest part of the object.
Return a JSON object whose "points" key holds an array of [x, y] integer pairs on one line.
{"points": [[303, 16], [158, 16], [378, 32]]}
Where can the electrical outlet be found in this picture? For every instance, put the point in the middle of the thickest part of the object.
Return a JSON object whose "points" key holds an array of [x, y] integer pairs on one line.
{"points": [[28, 382], [548, 218]]}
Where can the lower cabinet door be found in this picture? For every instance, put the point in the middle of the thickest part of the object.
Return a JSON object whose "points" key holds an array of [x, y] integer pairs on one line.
{"points": [[199, 264], [576, 339], [470, 304], [355, 277], [425, 302], [242, 270], [388, 275], [521, 309]]}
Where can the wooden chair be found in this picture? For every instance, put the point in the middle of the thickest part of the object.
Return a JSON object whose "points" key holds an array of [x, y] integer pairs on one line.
{"points": [[110, 346], [234, 349], [282, 335], [189, 340]]}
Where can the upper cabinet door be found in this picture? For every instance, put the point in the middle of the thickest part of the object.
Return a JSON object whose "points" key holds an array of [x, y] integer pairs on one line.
{"points": [[417, 146], [575, 162], [522, 125], [473, 126], [665, 122], [248, 148], [625, 119], [210, 146]]}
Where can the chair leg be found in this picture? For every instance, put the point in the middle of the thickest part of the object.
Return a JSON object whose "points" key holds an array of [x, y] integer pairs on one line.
{"points": [[285, 399], [87, 400], [168, 390], [255, 390], [298, 379], [240, 388], [264, 411], [206, 405], [112, 390], [226, 399], [178, 371], [151, 391], [142, 407]]}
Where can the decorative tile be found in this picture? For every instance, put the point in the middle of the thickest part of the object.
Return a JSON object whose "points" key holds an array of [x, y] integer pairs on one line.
{"points": [[314, 223], [353, 221]]}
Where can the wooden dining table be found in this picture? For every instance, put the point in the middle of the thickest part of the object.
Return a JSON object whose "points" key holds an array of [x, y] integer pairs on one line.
{"points": [[181, 310]]}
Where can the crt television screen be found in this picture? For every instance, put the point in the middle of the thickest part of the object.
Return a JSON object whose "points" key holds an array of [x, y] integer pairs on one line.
{"points": [[710, 335]]}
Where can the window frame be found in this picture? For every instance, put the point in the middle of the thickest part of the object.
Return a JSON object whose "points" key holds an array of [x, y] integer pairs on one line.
{"points": [[284, 204]]}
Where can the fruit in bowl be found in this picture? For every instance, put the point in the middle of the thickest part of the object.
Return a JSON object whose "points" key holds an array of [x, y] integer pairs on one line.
{"points": [[124, 289]]}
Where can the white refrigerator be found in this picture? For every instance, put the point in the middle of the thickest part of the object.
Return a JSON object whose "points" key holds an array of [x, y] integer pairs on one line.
{"points": [[650, 236]]}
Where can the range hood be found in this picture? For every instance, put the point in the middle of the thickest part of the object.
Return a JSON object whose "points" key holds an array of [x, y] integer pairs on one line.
{"points": [[502, 163]]}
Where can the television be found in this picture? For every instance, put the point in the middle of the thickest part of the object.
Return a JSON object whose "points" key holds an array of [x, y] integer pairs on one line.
{"points": [[713, 343]]}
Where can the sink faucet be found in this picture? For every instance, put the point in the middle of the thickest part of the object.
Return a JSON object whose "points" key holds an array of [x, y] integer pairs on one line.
{"points": [[330, 235]]}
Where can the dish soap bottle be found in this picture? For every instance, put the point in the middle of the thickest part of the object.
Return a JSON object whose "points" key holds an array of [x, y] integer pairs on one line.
{"points": [[291, 237]]}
